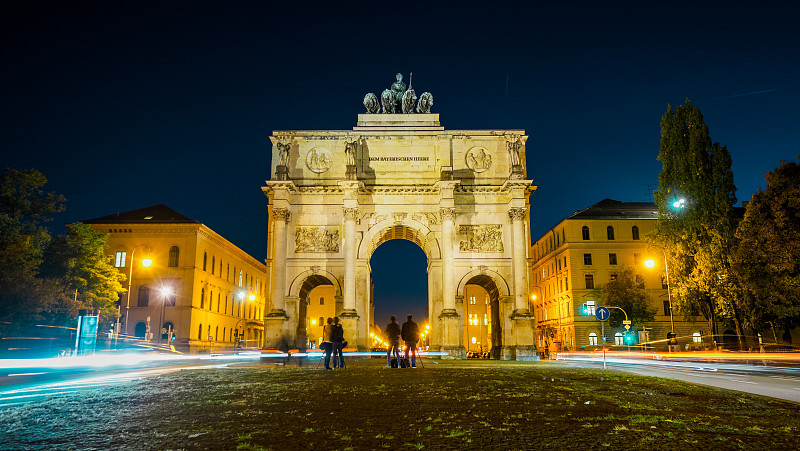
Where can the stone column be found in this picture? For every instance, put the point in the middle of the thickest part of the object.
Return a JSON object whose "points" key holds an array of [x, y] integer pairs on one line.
{"points": [[350, 259], [448, 259], [274, 334], [518, 262], [524, 344], [280, 216], [449, 318]]}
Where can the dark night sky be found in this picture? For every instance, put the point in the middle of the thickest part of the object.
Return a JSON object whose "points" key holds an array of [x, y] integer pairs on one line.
{"points": [[128, 104]]}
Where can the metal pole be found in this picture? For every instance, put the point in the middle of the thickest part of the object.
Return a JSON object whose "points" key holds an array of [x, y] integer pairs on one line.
{"points": [[669, 292], [603, 333]]}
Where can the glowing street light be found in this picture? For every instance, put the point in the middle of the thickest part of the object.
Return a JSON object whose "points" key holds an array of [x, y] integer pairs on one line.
{"points": [[679, 203]]}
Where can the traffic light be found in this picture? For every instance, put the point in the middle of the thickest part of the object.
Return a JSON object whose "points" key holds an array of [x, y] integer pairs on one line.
{"points": [[628, 338], [172, 338], [585, 310]]}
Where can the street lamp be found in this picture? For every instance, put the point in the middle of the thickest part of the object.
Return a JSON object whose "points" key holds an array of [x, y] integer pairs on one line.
{"points": [[146, 262]]}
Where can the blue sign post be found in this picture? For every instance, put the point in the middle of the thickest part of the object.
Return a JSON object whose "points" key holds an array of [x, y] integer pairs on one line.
{"points": [[602, 313]]}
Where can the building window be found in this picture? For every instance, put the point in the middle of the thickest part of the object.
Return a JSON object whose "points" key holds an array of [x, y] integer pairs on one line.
{"points": [[485, 319], [202, 297], [228, 272], [220, 267], [119, 259], [240, 277], [219, 301], [666, 308], [592, 339], [216, 333], [590, 308], [321, 301], [144, 296], [213, 264], [585, 233], [587, 259], [589, 282], [613, 277], [200, 332], [610, 232], [472, 300], [173, 257], [697, 338], [618, 339], [635, 232], [612, 259], [205, 260], [474, 340]]}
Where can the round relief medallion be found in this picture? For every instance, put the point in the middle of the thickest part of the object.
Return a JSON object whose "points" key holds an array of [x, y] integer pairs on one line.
{"points": [[478, 159], [319, 160]]}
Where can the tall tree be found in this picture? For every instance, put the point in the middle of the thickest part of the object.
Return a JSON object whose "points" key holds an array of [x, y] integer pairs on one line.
{"points": [[631, 296], [83, 274], [695, 199], [24, 208], [766, 260]]}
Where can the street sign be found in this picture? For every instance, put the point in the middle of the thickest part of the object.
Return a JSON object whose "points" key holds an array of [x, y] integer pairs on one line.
{"points": [[627, 327], [626, 322], [602, 313]]}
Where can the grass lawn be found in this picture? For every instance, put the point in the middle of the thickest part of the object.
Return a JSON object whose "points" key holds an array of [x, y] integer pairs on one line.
{"points": [[446, 405]]}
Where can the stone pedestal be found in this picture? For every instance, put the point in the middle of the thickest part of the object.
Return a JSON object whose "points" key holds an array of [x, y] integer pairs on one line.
{"points": [[275, 333], [281, 173], [350, 172], [349, 320], [449, 326], [524, 335]]}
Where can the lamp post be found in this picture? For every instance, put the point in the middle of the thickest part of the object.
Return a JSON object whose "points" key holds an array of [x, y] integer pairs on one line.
{"points": [[650, 263], [166, 291], [146, 262]]}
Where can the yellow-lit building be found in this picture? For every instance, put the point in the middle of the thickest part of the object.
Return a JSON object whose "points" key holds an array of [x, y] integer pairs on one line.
{"points": [[477, 319], [184, 278], [320, 305], [574, 259]]}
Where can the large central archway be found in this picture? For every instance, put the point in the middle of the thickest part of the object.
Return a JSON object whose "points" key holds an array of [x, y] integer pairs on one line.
{"points": [[461, 196]]}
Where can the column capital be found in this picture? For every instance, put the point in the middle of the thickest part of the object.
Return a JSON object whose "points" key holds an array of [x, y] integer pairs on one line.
{"points": [[281, 214], [350, 213], [516, 213], [447, 213]]}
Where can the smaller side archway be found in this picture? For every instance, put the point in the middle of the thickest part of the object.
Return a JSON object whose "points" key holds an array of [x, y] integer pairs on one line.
{"points": [[484, 322]]}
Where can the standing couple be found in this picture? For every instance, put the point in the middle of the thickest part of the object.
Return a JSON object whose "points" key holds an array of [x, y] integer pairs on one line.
{"points": [[410, 335], [333, 343]]}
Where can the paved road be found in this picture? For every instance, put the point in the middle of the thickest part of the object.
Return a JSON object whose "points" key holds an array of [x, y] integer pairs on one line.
{"points": [[776, 382]]}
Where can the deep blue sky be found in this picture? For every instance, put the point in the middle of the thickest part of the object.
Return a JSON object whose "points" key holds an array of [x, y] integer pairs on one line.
{"points": [[128, 104]]}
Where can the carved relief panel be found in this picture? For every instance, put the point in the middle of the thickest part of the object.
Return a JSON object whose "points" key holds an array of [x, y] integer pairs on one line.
{"points": [[316, 239], [319, 160], [479, 159], [481, 238]]}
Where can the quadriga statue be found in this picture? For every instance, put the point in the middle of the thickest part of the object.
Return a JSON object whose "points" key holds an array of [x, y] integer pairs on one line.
{"points": [[371, 103], [425, 103], [409, 99]]}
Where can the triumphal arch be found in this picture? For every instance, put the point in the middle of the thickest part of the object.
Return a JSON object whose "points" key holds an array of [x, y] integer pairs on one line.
{"points": [[460, 195]]}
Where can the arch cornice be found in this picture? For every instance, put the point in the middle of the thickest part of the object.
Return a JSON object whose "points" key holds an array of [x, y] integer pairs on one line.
{"points": [[297, 282], [500, 281]]}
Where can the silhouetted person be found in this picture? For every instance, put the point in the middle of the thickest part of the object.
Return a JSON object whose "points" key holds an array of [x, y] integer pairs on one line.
{"points": [[326, 342], [393, 338], [410, 334], [337, 343]]}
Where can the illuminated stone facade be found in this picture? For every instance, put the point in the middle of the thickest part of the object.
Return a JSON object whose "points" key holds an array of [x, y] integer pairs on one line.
{"points": [[198, 284], [572, 262], [461, 196]]}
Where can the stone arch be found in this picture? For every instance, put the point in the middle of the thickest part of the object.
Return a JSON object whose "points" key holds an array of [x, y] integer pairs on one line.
{"points": [[498, 280], [307, 280], [409, 230]]}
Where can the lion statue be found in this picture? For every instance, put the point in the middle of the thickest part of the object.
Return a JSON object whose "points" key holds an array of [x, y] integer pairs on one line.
{"points": [[425, 103], [371, 103]]}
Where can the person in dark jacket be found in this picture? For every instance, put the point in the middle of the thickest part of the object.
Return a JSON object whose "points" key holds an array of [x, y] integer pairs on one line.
{"points": [[326, 342], [410, 334], [337, 343], [393, 338]]}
